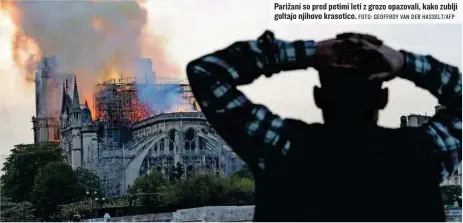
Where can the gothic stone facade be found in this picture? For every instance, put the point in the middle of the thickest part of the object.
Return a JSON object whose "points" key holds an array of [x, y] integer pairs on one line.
{"points": [[159, 142]]}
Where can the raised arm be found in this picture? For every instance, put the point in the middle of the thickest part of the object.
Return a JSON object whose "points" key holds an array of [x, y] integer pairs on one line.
{"points": [[257, 135], [444, 82]]}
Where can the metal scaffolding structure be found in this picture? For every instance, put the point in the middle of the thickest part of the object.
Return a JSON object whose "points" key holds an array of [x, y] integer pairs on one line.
{"points": [[116, 102], [187, 95], [117, 106]]}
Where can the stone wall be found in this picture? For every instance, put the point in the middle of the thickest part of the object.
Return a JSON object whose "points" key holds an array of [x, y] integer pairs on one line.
{"points": [[208, 214], [204, 214]]}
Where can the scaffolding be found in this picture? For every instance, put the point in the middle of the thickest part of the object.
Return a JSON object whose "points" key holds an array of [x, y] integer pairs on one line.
{"points": [[117, 106], [187, 95], [116, 102]]}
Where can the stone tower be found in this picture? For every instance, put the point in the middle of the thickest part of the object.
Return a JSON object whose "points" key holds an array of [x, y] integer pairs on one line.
{"points": [[76, 152], [78, 131], [45, 123]]}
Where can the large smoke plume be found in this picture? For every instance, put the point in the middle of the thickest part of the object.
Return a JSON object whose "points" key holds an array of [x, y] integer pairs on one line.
{"points": [[95, 40]]}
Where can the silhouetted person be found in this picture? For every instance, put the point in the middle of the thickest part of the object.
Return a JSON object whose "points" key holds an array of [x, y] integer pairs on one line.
{"points": [[347, 169]]}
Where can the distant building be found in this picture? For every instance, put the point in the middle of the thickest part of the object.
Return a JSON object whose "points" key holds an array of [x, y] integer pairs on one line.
{"points": [[453, 180], [414, 120]]}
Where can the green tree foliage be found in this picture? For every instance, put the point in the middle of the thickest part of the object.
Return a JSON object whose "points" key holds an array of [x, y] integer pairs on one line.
{"points": [[16, 212], [208, 188], [150, 186], [202, 188], [21, 167], [240, 189], [88, 181], [199, 189], [450, 194], [244, 172], [55, 184]]}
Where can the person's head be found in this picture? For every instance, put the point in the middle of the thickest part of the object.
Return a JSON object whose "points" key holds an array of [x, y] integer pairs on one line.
{"points": [[347, 95]]}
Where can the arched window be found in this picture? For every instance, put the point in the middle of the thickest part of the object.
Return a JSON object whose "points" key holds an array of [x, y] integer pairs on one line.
{"points": [[190, 139]]}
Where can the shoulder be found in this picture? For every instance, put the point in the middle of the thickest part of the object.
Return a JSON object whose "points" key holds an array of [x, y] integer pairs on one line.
{"points": [[297, 130], [412, 140]]}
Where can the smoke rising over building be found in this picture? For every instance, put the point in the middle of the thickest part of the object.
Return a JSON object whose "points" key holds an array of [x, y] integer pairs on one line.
{"points": [[128, 138], [48, 82], [134, 126]]}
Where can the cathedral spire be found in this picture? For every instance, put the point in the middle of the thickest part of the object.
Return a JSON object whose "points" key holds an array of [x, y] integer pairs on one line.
{"points": [[63, 100], [75, 99], [67, 87]]}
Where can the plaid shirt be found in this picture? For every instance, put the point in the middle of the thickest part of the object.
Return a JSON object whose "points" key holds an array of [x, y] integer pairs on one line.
{"points": [[444, 82], [260, 137]]}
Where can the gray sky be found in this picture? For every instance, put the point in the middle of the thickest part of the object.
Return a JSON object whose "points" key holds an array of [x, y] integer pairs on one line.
{"points": [[194, 29]]}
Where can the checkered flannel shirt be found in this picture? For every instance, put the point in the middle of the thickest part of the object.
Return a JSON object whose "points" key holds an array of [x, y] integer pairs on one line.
{"points": [[444, 82], [214, 79]]}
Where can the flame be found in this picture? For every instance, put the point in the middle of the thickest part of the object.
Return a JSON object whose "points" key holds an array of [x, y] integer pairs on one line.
{"points": [[117, 102], [184, 107], [112, 72], [88, 97], [103, 38], [25, 51]]}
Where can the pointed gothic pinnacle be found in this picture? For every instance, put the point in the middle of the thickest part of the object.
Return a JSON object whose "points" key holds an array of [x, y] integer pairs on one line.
{"points": [[75, 99]]}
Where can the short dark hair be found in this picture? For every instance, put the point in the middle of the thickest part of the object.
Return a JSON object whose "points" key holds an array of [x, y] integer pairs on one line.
{"points": [[345, 78]]}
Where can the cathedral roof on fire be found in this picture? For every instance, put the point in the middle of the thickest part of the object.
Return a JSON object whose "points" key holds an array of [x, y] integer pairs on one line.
{"points": [[69, 104]]}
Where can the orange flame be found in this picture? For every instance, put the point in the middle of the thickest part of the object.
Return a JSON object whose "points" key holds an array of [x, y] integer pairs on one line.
{"points": [[27, 51]]}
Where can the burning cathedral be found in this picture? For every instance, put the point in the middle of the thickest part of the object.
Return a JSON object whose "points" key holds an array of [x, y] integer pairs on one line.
{"points": [[133, 127]]}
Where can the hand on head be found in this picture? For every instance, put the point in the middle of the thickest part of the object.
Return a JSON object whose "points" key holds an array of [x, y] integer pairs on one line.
{"points": [[361, 52]]}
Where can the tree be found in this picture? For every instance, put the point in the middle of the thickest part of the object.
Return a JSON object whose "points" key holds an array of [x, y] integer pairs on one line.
{"points": [[21, 167], [240, 189], [55, 184], [450, 194], [16, 212], [244, 172], [149, 187], [202, 188], [88, 181]]}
